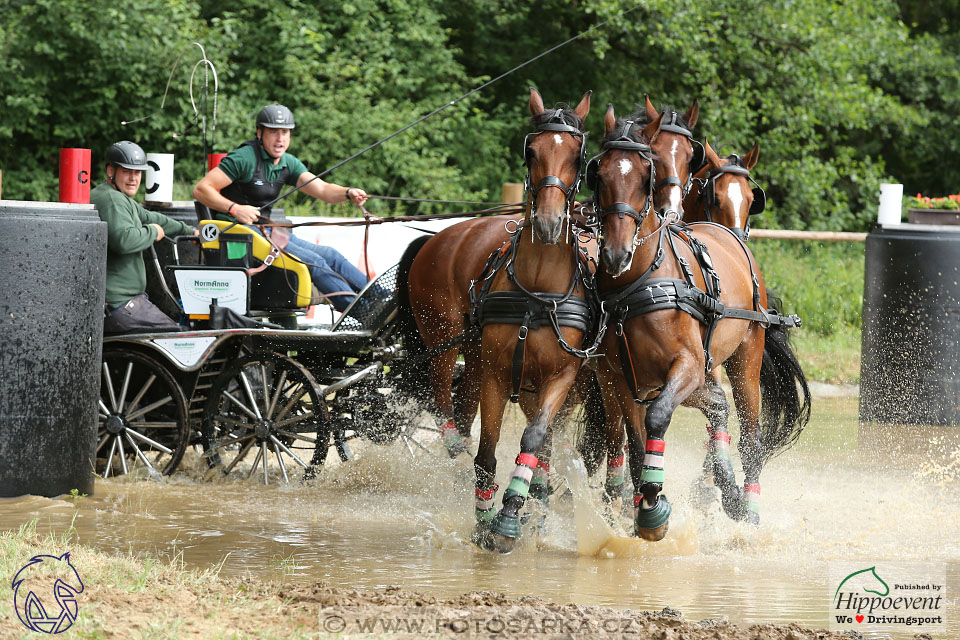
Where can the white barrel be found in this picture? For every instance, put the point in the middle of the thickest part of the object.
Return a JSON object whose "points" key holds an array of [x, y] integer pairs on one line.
{"points": [[891, 203], [158, 183]]}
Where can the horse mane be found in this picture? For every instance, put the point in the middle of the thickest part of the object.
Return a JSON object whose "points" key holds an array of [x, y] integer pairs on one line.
{"points": [[639, 115], [635, 130], [567, 116]]}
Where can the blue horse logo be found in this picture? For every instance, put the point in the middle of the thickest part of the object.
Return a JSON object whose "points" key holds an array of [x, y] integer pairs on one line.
{"points": [[38, 578]]}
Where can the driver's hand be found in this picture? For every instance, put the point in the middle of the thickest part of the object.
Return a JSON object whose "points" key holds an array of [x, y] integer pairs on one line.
{"points": [[160, 233], [357, 196], [245, 214]]}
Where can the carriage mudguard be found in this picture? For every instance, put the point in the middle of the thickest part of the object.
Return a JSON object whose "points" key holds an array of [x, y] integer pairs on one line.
{"points": [[285, 284]]}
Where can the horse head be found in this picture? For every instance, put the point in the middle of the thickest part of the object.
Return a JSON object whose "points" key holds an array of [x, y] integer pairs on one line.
{"points": [[39, 584], [679, 155], [622, 178], [726, 196], [554, 155]]}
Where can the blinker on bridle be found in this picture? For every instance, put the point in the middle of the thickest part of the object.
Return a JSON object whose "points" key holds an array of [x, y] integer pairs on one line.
{"points": [[557, 125]]}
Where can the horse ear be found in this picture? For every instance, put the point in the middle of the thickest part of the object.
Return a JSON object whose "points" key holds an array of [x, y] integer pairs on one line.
{"points": [[713, 160], [609, 120], [750, 160], [651, 129], [692, 113], [584, 107], [651, 111], [536, 102]]}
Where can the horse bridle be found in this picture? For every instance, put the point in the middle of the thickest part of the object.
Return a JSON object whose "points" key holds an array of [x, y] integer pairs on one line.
{"points": [[557, 125], [672, 125], [622, 141], [708, 189]]}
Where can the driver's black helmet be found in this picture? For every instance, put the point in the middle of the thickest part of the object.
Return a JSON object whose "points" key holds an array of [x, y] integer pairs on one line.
{"points": [[275, 116], [128, 155]]}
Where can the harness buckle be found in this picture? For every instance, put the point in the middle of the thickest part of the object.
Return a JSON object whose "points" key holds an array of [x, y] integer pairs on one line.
{"points": [[523, 332]]}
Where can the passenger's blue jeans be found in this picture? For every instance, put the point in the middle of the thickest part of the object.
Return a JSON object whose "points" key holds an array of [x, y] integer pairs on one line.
{"points": [[329, 270]]}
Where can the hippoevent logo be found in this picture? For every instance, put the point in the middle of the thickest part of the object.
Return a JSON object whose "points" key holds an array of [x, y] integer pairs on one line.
{"points": [[45, 593], [887, 596]]}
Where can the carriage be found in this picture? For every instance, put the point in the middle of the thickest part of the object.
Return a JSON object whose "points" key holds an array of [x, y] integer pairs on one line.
{"points": [[243, 386]]}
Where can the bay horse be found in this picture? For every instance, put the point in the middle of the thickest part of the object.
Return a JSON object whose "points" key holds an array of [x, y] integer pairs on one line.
{"points": [[681, 300], [677, 156], [532, 311], [724, 192]]}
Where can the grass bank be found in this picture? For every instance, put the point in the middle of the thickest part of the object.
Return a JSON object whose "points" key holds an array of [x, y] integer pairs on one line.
{"points": [[822, 282], [127, 596]]}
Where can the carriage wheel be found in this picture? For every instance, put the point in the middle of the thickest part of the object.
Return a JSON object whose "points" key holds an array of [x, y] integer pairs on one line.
{"points": [[264, 412], [143, 416]]}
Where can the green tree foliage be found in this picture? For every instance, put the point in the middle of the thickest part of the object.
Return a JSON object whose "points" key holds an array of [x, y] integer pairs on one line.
{"points": [[840, 95]]}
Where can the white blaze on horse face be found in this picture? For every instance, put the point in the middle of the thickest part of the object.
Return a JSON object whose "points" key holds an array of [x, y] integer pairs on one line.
{"points": [[675, 193], [736, 199], [557, 139], [625, 166]]}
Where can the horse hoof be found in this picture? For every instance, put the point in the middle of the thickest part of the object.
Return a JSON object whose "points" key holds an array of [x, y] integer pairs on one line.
{"points": [[502, 544], [652, 523], [506, 526], [732, 501], [752, 517]]}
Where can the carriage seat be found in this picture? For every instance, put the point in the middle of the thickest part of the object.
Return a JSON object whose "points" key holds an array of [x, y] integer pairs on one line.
{"points": [[284, 285]]}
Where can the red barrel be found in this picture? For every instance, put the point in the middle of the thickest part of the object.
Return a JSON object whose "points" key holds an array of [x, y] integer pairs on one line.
{"points": [[75, 175], [213, 159]]}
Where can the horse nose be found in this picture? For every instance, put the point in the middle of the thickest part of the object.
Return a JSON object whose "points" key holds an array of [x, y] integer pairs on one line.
{"points": [[548, 228], [615, 261]]}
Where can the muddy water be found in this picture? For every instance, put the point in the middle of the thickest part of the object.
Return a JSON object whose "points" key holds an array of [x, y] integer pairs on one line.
{"points": [[844, 494]]}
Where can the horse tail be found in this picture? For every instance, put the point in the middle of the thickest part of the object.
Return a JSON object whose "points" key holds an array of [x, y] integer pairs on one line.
{"points": [[416, 369], [591, 427], [784, 389]]}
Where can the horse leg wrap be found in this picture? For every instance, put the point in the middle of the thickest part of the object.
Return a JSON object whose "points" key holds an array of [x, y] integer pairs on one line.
{"points": [[485, 510], [507, 522], [540, 483], [751, 500], [452, 440], [653, 510], [613, 487], [722, 463]]}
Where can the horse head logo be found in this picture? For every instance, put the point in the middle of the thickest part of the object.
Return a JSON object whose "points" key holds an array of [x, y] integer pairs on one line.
{"points": [[868, 578], [41, 582]]}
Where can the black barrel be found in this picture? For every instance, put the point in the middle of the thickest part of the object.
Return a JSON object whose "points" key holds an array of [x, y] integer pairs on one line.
{"points": [[51, 326], [910, 367]]}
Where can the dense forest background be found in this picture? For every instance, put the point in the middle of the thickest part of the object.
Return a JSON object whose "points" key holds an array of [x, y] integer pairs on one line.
{"points": [[840, 95]]}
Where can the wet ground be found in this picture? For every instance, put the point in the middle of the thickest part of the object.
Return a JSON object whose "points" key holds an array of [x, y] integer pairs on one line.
{"points": [[845, 494]]}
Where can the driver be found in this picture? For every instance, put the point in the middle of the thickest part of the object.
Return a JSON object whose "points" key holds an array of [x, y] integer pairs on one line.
{"points": [[130, 230], [254, 174]]}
